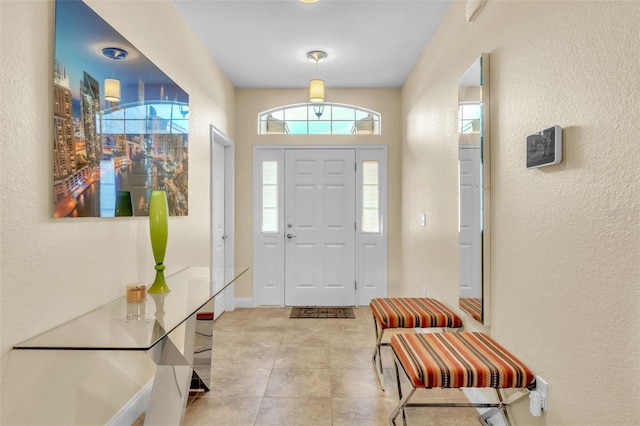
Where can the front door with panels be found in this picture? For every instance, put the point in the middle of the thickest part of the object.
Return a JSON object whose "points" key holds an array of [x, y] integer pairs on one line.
{"points": [[320, 227]]}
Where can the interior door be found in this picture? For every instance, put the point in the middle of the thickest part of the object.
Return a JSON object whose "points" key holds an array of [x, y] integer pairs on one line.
{"points": [[320, 227], [217, 223]]}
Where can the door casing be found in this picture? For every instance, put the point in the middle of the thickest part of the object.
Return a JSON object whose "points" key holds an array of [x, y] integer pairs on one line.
{"points": [[217, 137]]}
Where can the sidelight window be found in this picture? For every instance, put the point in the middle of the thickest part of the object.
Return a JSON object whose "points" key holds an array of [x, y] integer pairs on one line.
{"points": [[370, 196], [270, 196]]}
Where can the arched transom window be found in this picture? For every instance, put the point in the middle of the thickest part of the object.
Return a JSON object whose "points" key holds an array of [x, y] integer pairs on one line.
{"points": [[319, 119]]}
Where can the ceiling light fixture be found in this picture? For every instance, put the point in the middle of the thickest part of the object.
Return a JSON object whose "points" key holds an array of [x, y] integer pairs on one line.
{"points": [[112, 85], [316, 86], [308, 1]]}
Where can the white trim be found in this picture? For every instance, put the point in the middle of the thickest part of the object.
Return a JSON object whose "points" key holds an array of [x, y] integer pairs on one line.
{"points": [[244, 302], [134, 408], [229, 214]]}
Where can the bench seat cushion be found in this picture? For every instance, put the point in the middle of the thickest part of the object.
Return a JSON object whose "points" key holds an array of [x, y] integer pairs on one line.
{"points": [[413, 312], [459, 360]]}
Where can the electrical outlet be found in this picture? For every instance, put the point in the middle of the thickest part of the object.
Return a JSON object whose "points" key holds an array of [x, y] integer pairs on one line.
{"points": [[543, 387], [423, 219], [424, 292]]}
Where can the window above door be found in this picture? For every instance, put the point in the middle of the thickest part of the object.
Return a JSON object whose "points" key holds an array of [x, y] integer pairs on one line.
{"points": [[319, 119]]}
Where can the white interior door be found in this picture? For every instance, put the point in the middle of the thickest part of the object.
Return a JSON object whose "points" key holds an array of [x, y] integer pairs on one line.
{"points": [[470, 222], [320, 227], [218, 223]]}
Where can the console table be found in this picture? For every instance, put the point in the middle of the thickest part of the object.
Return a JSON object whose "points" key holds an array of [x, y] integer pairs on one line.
{"points": [[182, 354]]}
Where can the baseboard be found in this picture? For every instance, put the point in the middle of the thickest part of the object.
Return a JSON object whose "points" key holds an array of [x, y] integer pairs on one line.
{"points": [[244, 302], [475, 395], [134, 408]]}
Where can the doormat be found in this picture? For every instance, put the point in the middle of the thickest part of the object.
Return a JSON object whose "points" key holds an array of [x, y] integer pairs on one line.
{"points": [[322, 312]]}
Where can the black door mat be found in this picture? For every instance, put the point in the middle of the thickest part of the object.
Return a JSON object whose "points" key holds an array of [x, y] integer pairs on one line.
{"points": [[322, 312]]}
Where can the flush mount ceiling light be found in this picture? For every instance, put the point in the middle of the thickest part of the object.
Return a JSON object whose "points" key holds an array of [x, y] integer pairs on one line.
{"points": [[316, 86], [112, 85], [308, 1]]}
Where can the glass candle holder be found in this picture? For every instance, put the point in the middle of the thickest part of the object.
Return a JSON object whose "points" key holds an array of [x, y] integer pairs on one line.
{"points": [[136, 293]]}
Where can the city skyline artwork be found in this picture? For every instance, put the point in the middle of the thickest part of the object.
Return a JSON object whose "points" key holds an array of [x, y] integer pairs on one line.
{"points": [[135, 142]]}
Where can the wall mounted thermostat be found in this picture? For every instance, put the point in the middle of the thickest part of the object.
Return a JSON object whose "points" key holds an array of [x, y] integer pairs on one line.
{"points": [[544, 148]]}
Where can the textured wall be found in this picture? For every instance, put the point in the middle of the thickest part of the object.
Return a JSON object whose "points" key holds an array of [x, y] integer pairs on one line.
{"points": [[566, 238], [54, 270]]}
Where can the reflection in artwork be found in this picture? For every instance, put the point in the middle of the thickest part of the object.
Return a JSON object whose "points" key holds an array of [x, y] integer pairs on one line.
{"points": [[136, 141]]}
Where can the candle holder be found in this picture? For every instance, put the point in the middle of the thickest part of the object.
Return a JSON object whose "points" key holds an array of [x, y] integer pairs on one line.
{"points": [[136, 293]]}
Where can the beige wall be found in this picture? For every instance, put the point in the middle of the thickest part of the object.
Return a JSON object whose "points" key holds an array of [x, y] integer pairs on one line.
{"points": [[566, 238], [54, 270], [250, 102]]}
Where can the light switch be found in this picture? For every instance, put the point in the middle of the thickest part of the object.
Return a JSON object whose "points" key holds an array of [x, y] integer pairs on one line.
{"points": [[423, 219]]}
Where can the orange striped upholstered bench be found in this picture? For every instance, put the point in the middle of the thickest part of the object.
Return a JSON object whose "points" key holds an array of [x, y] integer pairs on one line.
{"points": [[457, 360], [407, 312]]}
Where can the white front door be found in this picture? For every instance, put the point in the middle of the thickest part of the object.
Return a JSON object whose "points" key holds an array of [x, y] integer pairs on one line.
{"points": [[218, 223], [320, 227]]}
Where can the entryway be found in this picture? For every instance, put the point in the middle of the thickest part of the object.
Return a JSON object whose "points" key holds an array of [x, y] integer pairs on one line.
{"points": [[319, 225]]}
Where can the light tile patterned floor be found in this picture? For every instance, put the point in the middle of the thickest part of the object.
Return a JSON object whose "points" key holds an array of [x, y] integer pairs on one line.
{"points": [[269, 370]]}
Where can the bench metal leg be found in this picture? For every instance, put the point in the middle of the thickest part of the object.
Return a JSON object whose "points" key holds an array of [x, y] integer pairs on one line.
{"points": [[377, 354], [402, 401]]}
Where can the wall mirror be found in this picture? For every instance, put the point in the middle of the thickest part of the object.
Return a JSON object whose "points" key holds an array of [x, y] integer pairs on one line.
{"points": [[474, 189]]}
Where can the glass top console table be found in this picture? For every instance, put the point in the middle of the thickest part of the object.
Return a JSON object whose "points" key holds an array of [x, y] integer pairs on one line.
{"points": [[182, 355]]}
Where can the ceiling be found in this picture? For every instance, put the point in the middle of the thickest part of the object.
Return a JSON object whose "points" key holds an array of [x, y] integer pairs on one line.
{"points": [[263, 44]]}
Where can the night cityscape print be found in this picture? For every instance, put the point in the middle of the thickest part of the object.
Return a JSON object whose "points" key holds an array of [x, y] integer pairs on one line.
{"points": [[137, 143]]}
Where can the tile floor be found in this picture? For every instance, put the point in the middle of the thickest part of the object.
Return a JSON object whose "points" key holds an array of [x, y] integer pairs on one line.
{"points": [[268, 369]]}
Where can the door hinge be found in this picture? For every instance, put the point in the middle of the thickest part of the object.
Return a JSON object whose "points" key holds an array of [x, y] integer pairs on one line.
{"points": [[355, 167], [355, 226], [355, 283]]}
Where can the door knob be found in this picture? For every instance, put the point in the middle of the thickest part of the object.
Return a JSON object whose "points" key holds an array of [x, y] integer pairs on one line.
{"points": [[224, 236], [290, 236]]}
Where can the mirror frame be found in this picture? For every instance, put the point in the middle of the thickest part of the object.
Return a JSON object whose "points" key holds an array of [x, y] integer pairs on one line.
{"points": [[485, 196]]}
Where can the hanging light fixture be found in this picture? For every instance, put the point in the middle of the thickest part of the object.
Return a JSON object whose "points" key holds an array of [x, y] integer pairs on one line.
{"points": [[112, 85], [316, 91], [316, 86]]}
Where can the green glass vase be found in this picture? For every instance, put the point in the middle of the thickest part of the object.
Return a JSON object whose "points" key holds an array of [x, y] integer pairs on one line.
{"points": [[123, 204], [159, 231]]}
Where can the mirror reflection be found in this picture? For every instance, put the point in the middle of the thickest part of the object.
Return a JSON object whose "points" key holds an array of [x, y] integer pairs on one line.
{"points": [[473, 191]]}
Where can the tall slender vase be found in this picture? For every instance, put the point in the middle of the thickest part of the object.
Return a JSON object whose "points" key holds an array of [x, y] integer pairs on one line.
{"points": [[159, 231]]}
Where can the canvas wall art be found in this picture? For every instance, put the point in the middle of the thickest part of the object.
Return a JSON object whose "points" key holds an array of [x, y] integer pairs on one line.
{"points": [[121, 124]]}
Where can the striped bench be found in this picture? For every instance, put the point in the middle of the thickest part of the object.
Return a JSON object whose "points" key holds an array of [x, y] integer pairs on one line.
{"points": [[407, 313], [457, 360]]}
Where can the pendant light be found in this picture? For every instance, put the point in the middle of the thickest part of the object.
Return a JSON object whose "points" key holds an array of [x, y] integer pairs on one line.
{"points": [[316, 86], [112, 85]]}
